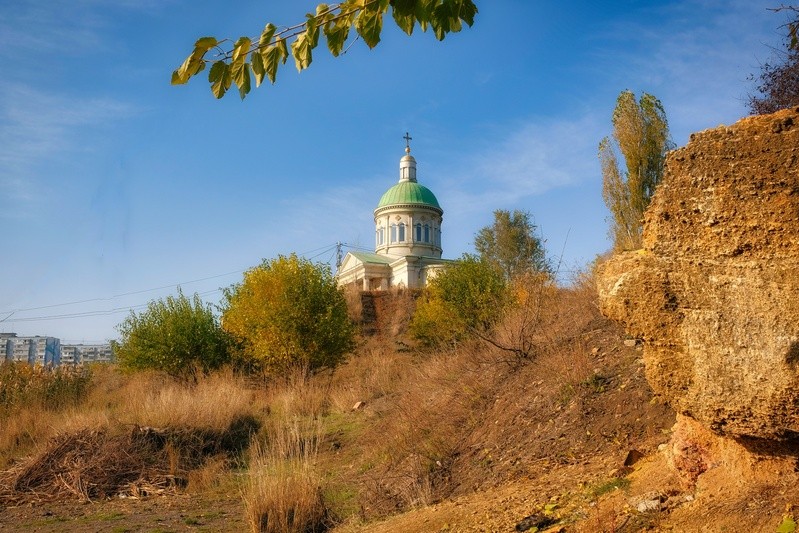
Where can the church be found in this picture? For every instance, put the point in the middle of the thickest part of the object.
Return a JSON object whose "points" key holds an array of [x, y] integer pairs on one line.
{"points": [[407, 237]]}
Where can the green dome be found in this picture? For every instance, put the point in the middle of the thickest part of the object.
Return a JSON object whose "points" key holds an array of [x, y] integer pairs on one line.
{"points": [[408, 192]]}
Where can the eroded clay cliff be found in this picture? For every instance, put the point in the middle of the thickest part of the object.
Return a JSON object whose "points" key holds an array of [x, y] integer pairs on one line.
{"points": [[714, 293]]}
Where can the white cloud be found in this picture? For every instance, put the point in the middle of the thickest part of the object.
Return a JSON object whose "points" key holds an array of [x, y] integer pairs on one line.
{"points": [[36, 127], [696, 60], [537, 156], [59, 26]]}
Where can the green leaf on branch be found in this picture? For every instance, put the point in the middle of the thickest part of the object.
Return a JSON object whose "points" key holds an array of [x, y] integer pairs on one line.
{"points": [[337, 33], [266, 36], [258, 68], [370, 22], [301, 50], [195, 62], [467, 12], [445, 19], [242, 80], [424, 11], [404, 13], [274, 55], [312, 30], [404, 7], [239, 69], [220, 78]]}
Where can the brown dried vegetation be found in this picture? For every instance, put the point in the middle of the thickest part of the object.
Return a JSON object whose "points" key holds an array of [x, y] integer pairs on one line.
{"points": [[393, 429]]}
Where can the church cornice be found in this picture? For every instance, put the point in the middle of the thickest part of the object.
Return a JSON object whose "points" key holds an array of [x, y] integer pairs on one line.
{"points": [[407, 207]]}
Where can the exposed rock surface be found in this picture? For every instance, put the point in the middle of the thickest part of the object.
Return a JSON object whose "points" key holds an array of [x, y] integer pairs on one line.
{"points": [[715, 291]]}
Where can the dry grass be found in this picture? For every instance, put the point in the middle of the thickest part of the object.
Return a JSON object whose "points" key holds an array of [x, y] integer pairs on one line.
{"points": [[298, 394], [214, 403], [428, 417], [128, 434], [375, 372], [23, 431], [438, 403], [23, 385], [32, 401], [210, 475], [92, 464], [283, 493], [352, 295]]}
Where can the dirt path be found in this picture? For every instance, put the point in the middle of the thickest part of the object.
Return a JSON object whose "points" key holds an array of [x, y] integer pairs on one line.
{"points": [[175, 512]]}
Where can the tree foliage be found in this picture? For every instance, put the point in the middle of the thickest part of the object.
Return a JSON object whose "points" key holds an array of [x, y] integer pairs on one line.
{"points": [[511, 245], [260, 57], [288, 312], [778, 82], [176, 335], [467, 297], [641, 135]]}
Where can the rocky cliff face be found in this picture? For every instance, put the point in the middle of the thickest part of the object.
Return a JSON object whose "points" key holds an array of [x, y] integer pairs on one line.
{"points": [[715, 291]]}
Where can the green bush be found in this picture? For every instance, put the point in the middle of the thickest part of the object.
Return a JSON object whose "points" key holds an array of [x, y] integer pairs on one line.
{"points": [[289, 313], [177, 335], [468, 297]]}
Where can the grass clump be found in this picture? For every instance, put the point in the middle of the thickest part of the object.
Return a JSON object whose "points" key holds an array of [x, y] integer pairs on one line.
{"points": [[616, 483], [283, 493]]}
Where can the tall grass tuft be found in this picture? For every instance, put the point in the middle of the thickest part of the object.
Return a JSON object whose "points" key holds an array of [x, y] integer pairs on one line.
{"points": [[283, 493]]}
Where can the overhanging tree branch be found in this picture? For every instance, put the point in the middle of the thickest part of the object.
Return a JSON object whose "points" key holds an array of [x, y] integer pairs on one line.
{"points": [[262, 57]]}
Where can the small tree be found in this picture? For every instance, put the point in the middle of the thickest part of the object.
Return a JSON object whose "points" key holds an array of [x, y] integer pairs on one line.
{"points": [[466, 298], [511, 245], [641, 134], [288, 312], [175, 335]]}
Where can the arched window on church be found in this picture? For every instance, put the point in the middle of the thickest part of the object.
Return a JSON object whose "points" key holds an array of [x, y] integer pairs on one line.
{"points": [[418, 232], [426, 233], [379, 237], [402, 232], [393, 233]]}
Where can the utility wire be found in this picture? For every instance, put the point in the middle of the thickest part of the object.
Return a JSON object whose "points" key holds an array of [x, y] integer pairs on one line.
{"points": [[104, 312], [108, 298]]}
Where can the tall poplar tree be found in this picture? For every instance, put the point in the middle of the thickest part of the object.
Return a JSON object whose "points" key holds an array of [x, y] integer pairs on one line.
{"points": [[641, 136]]}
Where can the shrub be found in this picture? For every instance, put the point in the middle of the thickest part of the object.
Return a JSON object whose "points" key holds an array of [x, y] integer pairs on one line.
{"points": [[175, 335], [289, 313], [467, 297]]}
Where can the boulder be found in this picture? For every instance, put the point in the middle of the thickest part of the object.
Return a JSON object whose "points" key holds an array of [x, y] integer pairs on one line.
{"points": [[714, 293]]}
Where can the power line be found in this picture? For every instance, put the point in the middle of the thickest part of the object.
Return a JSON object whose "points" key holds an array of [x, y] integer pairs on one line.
{"points": [[99, 312], [109, 298], [104, 312]]}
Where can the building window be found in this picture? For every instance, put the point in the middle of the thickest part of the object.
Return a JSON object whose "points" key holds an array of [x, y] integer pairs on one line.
{"points": [[426, 233], [402, 232], [379, 237], [393, 233], [418, 233]]}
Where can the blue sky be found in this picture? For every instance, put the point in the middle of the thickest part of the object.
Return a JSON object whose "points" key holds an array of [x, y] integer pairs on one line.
{"points": [[116, 187]]}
